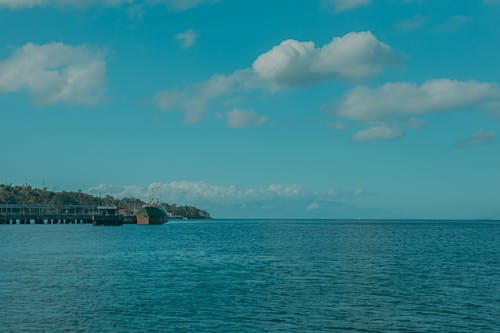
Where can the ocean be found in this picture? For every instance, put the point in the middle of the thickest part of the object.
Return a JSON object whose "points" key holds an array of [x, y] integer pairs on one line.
{"points": [[252, 276]]}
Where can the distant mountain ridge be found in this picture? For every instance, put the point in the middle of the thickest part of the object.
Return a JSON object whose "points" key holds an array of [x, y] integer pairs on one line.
{"points": [[12, 194]]}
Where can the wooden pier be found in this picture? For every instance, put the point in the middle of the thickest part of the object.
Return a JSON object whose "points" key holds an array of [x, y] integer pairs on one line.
{"points": [[52, 214]]}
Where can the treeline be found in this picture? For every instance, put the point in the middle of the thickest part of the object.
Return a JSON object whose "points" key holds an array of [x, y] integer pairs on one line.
{"points": [[34, 196], [186, 212]]}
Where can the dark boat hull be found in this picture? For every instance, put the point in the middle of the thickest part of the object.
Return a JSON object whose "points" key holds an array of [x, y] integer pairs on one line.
{"points": [[114, 220]]}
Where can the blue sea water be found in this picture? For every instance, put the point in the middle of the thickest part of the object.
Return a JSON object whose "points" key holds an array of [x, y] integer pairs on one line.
{"points": [[252, 276]]}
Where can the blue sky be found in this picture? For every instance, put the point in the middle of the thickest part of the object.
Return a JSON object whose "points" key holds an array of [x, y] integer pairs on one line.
{"points": [[327, 108]]}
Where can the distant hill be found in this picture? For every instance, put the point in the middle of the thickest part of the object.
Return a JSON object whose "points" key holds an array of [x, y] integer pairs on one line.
{"points": [[35, 196]]}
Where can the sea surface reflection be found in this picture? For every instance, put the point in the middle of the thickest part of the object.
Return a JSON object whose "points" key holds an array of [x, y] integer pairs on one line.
{"points": [[254, 276]]}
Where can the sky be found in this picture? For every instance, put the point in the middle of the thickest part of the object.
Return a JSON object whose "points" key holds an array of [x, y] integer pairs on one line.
{"points": [[258, 109]]}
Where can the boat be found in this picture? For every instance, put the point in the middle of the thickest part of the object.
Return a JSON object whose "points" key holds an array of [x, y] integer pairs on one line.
{"points": [[152, 214]]}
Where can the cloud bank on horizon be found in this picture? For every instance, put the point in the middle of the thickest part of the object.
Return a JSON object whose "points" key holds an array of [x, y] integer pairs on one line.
{"points": [[269, 201]]}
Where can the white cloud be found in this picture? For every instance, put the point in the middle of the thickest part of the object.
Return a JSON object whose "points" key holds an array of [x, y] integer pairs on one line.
{"points": [[454, 23], [338, 125], [343, 5], [354, 56], [195, 98], [313, 206], [181, 4], [381, 132], [242, 118], [187, 38], [403, 100], [20, 4], [414, 123], [478, 138], [412, 23], [55, 73], [177, 5]]}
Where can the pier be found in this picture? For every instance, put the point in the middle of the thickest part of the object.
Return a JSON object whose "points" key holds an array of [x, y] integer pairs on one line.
{"points": [[52, 214]]}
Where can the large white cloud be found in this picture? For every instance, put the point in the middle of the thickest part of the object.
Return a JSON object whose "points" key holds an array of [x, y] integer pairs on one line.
{"points": [[173, 4], [403, 100], [55, 73], [354, 56]]}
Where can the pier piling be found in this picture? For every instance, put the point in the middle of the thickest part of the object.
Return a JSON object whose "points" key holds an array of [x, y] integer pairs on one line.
{"points": [[49, 214]]}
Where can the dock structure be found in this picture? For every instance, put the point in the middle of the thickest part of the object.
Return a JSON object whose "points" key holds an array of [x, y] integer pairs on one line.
{"points": [[52, 214]]}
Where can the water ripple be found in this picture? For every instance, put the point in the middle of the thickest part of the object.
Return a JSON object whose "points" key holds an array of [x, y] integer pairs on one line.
{"points": [[253, 276]]}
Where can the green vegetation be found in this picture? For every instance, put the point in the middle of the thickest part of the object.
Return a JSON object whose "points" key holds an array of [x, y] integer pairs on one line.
{"points": [[34, 196], [186, 212]]}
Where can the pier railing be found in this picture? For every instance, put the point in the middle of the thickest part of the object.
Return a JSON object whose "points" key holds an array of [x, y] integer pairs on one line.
{"points": [[51, 214]]}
